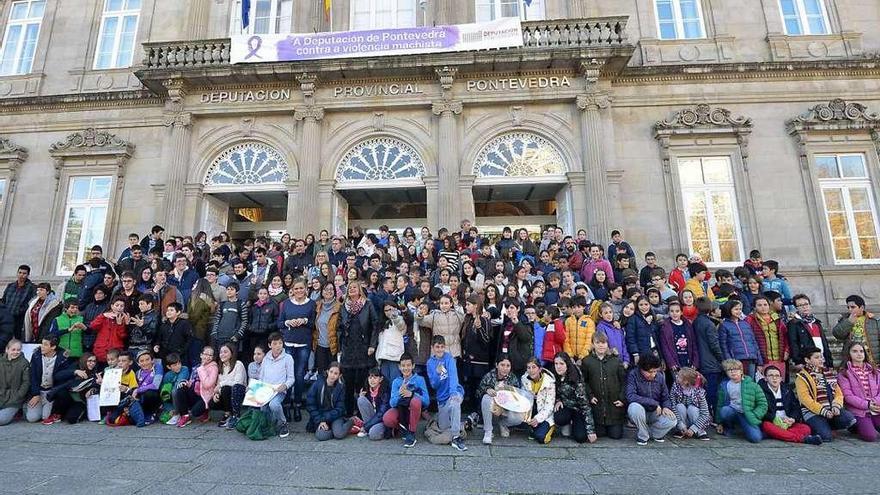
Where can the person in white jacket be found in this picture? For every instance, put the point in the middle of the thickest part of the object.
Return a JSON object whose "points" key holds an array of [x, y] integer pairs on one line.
{"points": [[542, 385], [231, 386], [389, 345]]}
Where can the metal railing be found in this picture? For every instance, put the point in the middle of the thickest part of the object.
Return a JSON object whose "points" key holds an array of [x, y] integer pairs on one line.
{"points": [[601, 32]]}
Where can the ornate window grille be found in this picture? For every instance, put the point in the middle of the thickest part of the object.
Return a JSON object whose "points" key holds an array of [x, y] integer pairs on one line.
{"points": [[247, 164], [380, 159], [519, 154]]}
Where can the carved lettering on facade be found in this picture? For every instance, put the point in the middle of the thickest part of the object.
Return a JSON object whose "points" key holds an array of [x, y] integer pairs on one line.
{"points": [[369, 90], [504, 84], [245, 96]]}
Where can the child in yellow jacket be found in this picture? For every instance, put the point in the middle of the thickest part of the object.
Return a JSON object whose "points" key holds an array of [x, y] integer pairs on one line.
{"points": [[820, 397], [579, 330]]}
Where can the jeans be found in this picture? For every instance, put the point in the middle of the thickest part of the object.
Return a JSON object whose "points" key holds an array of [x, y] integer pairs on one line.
{"points": [[823, 426], [365, 407], [567, 415], [449, 415], [275, 409], [300, 357], [40, 411], [687, 416], [338, 429], [507, 418], [7, 414], [650, 424], [390, 370], [712, 382], [730, 417]]}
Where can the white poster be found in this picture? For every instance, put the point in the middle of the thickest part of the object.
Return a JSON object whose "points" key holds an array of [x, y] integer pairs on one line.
{"points": [[110, 392], [258, 394]]}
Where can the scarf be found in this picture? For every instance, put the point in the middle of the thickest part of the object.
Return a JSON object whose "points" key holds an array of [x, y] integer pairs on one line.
{"points": [[771, 336], [861, 336], [273, 291], [825, 380], [809, 319], [354, 307]]}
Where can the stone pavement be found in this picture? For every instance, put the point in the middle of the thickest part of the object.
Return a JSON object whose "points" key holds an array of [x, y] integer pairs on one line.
{"points": [[202, 459]]}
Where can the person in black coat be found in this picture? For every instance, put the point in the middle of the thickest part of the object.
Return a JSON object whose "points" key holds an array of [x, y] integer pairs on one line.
{"points": [[803, 328], [7, 325], [358, 322], [174, 333], [516, 339], [39, 404]]}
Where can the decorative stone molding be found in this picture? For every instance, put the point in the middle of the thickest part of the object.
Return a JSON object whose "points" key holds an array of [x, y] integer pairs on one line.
{"points": [[307, 83], [308, 112], [11, 152], [378, 121], [719, 49], [591, 70], [447, 76], [837, 115], [593, 101], [843, 45], [178, 119], [703, 116], [516, 115], [177, 90], [90, 141], [446, 107]]}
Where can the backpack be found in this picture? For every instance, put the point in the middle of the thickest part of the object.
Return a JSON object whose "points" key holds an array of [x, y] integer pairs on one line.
{"points": [[255, 425]]}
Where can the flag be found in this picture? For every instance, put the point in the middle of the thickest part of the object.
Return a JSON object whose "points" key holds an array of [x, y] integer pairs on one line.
{"points": [[328, 4], [245, 14]]}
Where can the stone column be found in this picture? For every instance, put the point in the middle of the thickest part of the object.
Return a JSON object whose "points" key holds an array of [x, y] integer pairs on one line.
{"points": [[309, 169], [295, 218], [466, 198], [432, 189], [193, 206], [594, 167], [578, 183], [449, 208], [197, 16], [178, 137], [326, 200]]}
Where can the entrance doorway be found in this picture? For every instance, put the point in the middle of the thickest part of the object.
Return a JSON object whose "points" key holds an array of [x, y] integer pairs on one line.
{"points": [[246, 214], [397, 208]]}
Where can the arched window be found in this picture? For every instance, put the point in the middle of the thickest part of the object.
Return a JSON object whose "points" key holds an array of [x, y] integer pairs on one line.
{"points": [[380, 159], [247, 164], [519, 154]]}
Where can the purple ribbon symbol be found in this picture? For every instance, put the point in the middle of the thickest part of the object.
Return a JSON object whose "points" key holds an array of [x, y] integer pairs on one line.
{"points": [[254, 43]]}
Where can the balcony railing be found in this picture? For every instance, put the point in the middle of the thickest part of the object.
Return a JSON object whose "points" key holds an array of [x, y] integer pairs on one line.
{"points": [[601, 32]]}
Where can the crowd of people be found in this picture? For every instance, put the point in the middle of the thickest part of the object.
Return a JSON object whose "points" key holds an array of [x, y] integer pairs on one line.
{"points": [[546, 335]]}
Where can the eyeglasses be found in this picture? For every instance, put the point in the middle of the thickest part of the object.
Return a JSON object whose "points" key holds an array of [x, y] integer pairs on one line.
{"points": [[802, 305]]}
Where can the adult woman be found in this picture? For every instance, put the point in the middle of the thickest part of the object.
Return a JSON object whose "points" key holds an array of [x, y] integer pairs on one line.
{"points": [[15, 381], [860, 383], [498, 379], [296, 321], [69, 399], [325, 343], [389, 342], [474, 278], [231, 384], [770, 334], [358, 322], [195, 395], [641, 331], [600, 285], [541, 384], [572, 408], [326, 406], [145, 280], [41, 312]]}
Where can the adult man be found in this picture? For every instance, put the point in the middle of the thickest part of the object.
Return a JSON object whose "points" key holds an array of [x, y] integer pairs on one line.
{"points": [[17, 295], [263, 268], [805, 332], [72, 288], [49, 368], [298, 262], [859, 326], [154, 239], [277, 370], [649, 405], [240, 276], [134, 262], [183, 277], [127, 293], [596, 262], [336, 254]]}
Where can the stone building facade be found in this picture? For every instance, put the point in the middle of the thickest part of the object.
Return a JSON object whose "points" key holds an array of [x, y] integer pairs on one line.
{"points": [[704, 126]]}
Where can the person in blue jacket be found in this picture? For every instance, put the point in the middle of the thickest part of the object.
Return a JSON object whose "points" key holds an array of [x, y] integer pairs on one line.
{"points": [[409, 394], [443, 374], [641, 329], [326, 405], [736, 338]]}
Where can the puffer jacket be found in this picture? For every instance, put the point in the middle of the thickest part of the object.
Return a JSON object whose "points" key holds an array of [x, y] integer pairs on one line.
{"points": [[640, 334], [738, 342], [573, 395], [262, 318], [448, 325], [780, 351], [854, 395], [754, 402], [314, 402], [605, 380], [545, 400], [15, 381], [651, 394], [110, 335], [332, 325]]}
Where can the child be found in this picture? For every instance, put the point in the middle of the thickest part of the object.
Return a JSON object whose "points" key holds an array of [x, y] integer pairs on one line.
{"points": [[253, 369], [579, 330], [604, 379], [697, 282], [741, 402], [821, 397], [736, 338], [373, 403], [783, 420], [147, 391], [127, 385], [408, 395], [554, 336], [177, 373], [689, 404], [143, 327], [678, 342], [615, 339], [772, 281], [69, 328], [443, 375], [661, 309]]}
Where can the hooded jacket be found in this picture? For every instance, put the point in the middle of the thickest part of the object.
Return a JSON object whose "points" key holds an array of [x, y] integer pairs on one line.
{"points": [[15, 381], [854, 395], [545, 399]]}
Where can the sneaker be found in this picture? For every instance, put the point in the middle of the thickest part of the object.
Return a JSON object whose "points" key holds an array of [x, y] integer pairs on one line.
{"points": [[703, 436], [222, 422], [204, 418], [409, 440], [641, 442], [660, 440], [184, 420], [231, 423], [52, 419], [362, 434], [487, 438], [504, 431], [283, 431], [104, 420], [173, 421], [813, 440], [458, 444]]}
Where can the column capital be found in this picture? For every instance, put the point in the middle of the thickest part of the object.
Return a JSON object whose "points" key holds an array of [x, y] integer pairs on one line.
{"points": [[446, 107], [326, 185], [466, 180], [431, 182], [593, 101], [310, 112], [576, 178], [192, 189], [177, 119]]}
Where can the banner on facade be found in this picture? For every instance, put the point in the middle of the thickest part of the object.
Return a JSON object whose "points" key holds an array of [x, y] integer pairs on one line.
{"points": [[501, 33]]}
